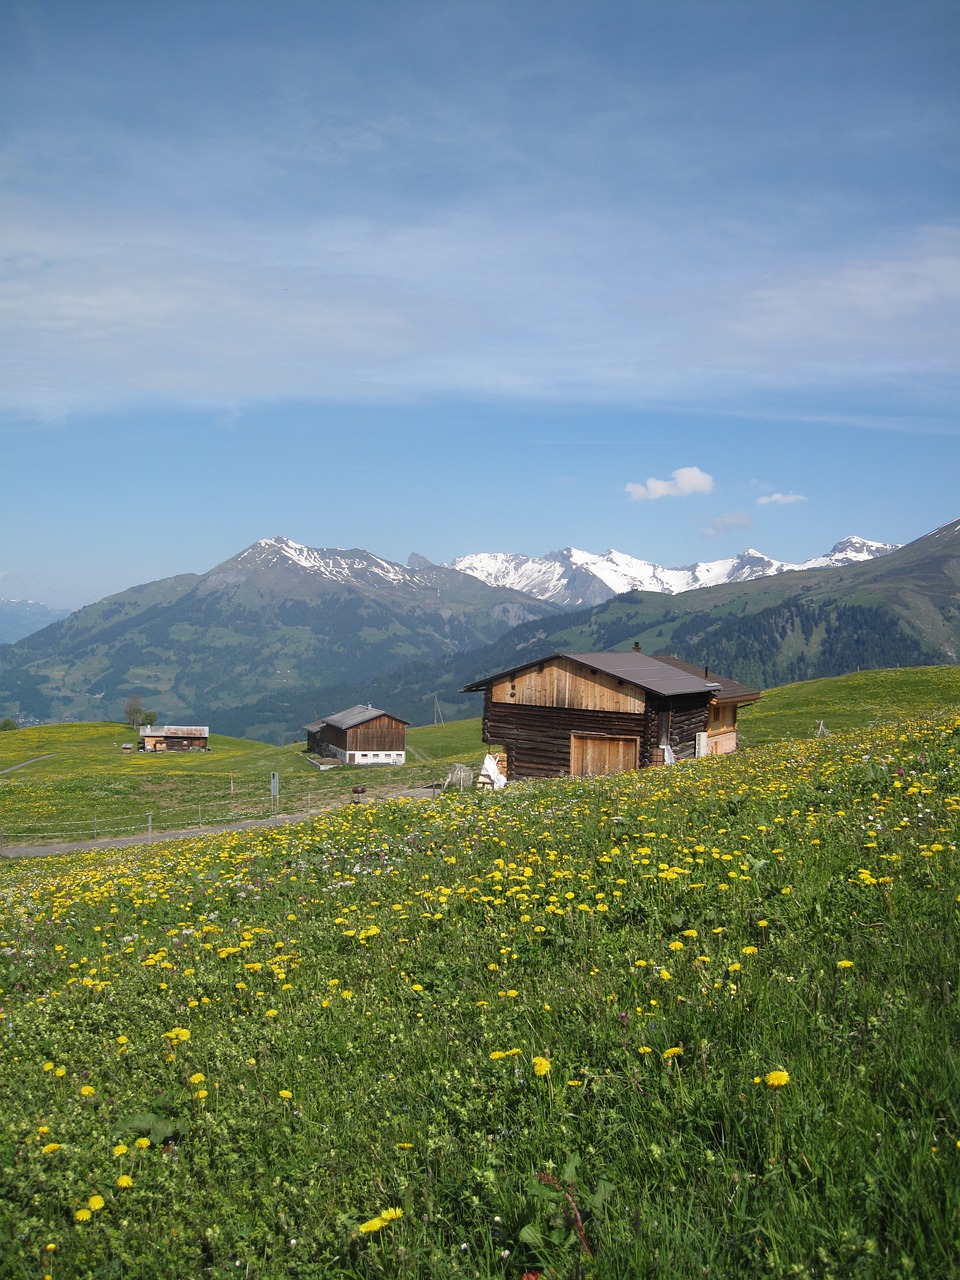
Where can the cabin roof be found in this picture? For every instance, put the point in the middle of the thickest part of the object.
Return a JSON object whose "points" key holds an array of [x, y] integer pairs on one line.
{"points": [[667, 677], [350, 718], [729, 690]]}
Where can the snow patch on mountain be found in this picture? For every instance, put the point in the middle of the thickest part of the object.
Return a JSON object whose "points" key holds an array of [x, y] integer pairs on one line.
{"points": [[336, 563]]}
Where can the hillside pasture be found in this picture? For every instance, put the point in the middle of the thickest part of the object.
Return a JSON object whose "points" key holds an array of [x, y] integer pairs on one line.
{"points": [[72, 782], [855, 702], [695, 1021]]}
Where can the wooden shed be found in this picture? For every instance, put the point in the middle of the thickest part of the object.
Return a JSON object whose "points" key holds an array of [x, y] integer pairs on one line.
{"points": [[359, 735], [595, 713], [174, 737]]}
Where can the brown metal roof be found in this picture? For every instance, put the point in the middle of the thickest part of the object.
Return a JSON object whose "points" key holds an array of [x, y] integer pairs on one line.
{"points": [[667, 677]]}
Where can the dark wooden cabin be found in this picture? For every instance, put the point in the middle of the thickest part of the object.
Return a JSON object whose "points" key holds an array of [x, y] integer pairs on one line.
{"points": [[595, 713], [174, 737], [359, 735]]}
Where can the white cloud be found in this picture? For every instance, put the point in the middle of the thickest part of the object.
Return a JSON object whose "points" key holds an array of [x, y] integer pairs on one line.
{"points": [[686, 480], [780, 499], [724, 523]]}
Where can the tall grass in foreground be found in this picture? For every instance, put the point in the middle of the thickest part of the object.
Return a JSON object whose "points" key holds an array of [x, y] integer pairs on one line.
{"points": [[697, 1021]]}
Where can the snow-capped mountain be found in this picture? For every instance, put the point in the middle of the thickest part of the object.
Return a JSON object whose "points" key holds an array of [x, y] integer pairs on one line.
{"points": [[571, 577], [338, 564]]}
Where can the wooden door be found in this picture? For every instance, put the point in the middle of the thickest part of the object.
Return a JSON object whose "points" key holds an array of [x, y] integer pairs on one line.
{"points": [[590, 756]]}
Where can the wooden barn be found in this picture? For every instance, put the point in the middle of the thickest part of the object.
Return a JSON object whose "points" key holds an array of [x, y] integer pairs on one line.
{"points": [[594, 713], [174, 737], [359, 735]]}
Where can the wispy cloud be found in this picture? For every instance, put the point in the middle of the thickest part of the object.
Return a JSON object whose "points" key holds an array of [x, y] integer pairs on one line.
{"points": [[724, 524], [307, 220], [780, 499], [684, 482]]}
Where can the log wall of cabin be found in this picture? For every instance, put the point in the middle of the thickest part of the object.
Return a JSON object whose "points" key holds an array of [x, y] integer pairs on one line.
{"points": [[537, 738]]}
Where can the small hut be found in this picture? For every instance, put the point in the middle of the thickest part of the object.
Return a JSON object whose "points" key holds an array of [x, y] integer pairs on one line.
{"points": [[174, 737], [360, 735]]}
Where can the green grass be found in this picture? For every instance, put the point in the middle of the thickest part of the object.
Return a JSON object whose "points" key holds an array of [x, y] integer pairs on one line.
{"points": [[852, 702], [491, 1034], [76, 784]]}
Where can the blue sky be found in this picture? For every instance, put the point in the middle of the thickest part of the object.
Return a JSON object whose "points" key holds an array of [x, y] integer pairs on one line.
{"points": [[440, 275]]}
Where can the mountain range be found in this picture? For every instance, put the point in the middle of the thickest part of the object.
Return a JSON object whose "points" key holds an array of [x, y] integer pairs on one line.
{"points": [[19, 618], [268, 631], [572, 578], [281, 633]]}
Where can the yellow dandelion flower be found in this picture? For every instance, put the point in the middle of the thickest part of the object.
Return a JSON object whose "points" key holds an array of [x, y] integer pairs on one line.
{"points": [[142, 1143], [83, 1215], [96, 1203], [88, 1091], [777, 1079], [844, 964], [120, 1149], [197, 1078], [124, 1180], [285, 1093], [50, 1148], [541, 1066], [673, 1053]]}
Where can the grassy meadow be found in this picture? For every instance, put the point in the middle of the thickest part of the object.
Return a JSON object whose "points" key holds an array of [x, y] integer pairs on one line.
{"points": [[72, 782], [693, 1021]]}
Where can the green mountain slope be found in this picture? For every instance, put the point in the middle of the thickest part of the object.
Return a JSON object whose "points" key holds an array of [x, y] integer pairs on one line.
{"points": [[278, 624]]}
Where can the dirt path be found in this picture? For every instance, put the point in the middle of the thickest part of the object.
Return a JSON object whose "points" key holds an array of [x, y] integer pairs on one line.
{"points": [[23, 763]]}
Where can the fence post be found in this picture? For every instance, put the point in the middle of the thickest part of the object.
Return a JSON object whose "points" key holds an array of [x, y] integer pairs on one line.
{"points": [[149, 827]]}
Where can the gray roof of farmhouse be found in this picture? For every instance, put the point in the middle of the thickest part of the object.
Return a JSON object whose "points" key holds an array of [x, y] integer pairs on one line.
{"points": [[350, 718], [667, 677]]}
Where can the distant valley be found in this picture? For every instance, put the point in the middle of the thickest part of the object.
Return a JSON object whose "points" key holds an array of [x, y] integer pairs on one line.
{"points": [[281, 633]]}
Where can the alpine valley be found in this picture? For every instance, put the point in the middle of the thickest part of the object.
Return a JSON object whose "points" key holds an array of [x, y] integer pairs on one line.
{"points": [[281, 633]]}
